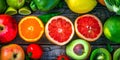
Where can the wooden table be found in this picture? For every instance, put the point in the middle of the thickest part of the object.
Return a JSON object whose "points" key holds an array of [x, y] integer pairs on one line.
{"points": [[51, 51]]}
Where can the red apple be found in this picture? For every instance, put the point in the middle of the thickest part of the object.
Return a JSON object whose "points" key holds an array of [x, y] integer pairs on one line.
{"points": [[8, 28], [12, 52]]}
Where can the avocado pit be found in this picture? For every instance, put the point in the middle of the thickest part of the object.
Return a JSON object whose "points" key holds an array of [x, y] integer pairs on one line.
{"points": [[79, 49]]}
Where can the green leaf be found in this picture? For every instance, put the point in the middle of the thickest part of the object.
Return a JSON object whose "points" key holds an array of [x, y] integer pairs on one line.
{"points": [[111, 2], [109, 5], [63, 59], [46, 17], [60, 4], [117, 3], [27, 57], [118, 11], [30, 54], [109, 48]]}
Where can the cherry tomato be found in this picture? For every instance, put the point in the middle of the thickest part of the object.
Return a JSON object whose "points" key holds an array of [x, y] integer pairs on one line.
{"points": [[63, 57], [35, 51]]}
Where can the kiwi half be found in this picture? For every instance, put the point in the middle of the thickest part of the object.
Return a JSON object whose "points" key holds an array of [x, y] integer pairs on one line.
{"points": [[78, 49], [116, 55], [100, 54]]}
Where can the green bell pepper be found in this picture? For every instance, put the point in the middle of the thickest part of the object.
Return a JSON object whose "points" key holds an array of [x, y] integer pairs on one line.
{"points": [[3, 6], [46, 5], [33, 6]]}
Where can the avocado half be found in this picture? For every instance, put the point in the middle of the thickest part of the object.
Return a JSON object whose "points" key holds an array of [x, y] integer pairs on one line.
{"points": [[78, 49], [116, 55], [100, 54]]}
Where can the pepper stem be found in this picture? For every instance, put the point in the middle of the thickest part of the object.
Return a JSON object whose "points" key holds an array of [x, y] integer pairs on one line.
{"points": [[63, 59]]}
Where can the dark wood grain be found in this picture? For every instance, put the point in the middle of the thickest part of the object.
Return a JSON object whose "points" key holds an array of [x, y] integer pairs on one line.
{"points": [[51, 51]]}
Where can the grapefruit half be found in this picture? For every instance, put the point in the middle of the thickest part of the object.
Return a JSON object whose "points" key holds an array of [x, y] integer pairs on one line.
{"points": [[88, 27], [59, 30]]}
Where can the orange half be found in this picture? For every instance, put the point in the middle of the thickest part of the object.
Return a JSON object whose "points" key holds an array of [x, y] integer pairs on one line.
{"points": [[31, 28]]}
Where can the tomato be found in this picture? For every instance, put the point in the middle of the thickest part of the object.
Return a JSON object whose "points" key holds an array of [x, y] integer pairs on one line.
{"points": [[35, 51], [63, 57]]}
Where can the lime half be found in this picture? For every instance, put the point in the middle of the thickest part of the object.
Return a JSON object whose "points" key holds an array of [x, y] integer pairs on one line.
{"points": [[24, 11], [11, 11]]}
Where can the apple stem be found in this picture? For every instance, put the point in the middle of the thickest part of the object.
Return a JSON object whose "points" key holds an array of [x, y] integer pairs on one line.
{"points": [[15, 55], [1, 28]]}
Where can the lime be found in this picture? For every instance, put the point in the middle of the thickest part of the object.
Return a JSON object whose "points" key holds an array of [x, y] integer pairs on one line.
{"points": [[24, 11], [112, 30], [11, 11]]}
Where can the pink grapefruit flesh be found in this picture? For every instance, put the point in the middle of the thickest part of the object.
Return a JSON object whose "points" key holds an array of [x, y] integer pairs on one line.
{"points": [[59, 30], [88, 27]]}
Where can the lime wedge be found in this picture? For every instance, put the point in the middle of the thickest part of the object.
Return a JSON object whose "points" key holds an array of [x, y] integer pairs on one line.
{"points": [[24, 11], [11, 11]]}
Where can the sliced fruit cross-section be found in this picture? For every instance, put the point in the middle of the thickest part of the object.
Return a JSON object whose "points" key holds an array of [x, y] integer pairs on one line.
{"points": [[100, 54], [59, 30], [31, 28], [88, 27], [78, 49], [116, 55]]}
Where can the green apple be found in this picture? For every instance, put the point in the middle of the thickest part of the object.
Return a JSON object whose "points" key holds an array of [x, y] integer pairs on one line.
{"points": [[17, 4]]}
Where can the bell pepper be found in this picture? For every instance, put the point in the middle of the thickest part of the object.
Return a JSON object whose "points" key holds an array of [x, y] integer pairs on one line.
{"points": [[3, 6], [113, 5], [46, 5], [33, 6]]}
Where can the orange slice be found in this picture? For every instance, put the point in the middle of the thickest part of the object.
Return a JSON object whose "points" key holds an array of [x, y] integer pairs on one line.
{"points": [[30, 28]]}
